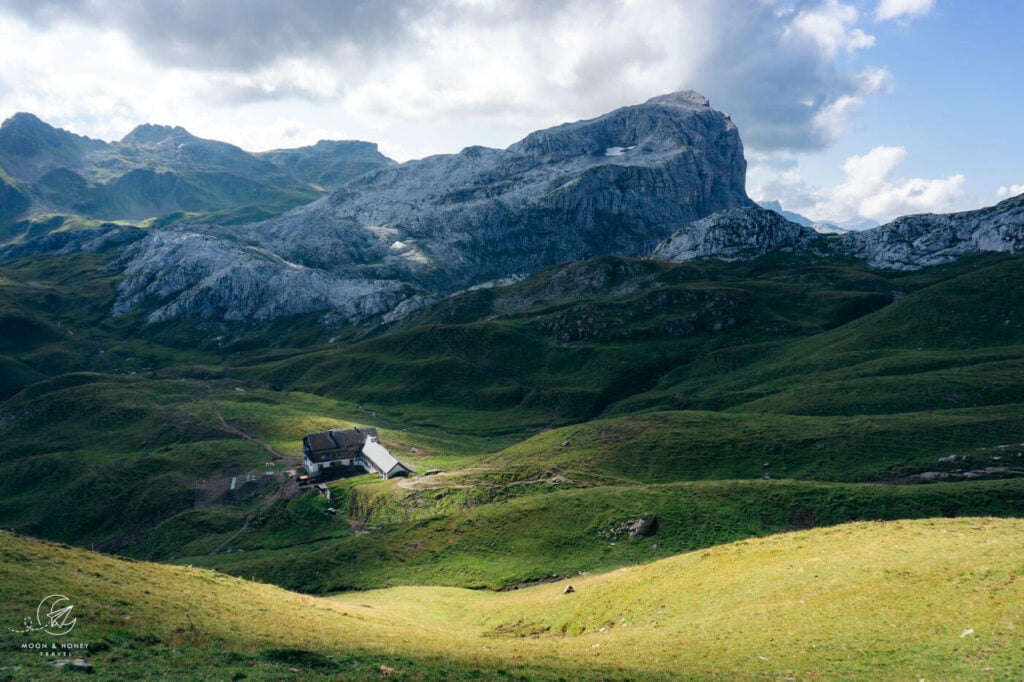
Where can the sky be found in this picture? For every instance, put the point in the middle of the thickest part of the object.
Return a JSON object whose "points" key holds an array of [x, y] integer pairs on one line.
{"points": [[851, 111]]}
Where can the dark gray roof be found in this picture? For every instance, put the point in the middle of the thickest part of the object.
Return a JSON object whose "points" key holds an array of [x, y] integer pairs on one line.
{"points": [[319, 441], [336, 443], [351, 437]]}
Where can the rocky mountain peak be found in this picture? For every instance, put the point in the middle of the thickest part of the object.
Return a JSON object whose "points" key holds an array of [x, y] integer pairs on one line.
{"points": [[25, 135], [614, 185], [25, 121], [660, 125], [684, 99], [150, 134]]}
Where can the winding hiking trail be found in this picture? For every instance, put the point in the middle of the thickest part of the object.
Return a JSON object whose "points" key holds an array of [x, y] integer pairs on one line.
{"points": [[289, 487], [231, 428]]}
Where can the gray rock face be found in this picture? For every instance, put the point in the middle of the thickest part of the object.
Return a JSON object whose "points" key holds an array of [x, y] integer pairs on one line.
{"points": [[205, 277], [617, 184], [103, 239], [907, 243], [739, 234], [329, 163], [918, 241]]}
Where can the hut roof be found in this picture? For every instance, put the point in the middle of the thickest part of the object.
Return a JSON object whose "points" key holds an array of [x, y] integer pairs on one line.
{"points": [[351, 437]]}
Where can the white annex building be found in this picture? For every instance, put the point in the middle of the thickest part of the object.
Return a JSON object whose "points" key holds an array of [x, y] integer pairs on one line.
{"points": [[356, 447]]}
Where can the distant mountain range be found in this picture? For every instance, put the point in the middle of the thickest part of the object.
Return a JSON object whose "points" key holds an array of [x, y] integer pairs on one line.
{"points": [[663, 179], [819, 226], [155, 175]]}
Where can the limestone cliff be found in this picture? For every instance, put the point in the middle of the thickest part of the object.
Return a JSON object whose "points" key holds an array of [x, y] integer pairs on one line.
{"points": [[617, 184]]}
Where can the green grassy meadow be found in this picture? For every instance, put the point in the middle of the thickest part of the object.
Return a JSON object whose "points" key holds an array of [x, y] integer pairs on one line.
{"points": [[930, 599], [761, 417]]}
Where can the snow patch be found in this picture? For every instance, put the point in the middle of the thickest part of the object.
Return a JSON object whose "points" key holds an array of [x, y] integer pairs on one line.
{"points": [[618, 151]]}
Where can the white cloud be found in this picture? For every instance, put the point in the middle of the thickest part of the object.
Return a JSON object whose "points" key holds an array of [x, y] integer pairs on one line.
{"points": [[869, 192], [898, 9], [1009, 191], [832, 120], [422, 70], [830, 25]]}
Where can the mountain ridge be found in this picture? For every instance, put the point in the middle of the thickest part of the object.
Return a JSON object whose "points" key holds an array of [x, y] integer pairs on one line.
{"points": [[156, 174], [648, 180], [615, 184], [906, 243]]}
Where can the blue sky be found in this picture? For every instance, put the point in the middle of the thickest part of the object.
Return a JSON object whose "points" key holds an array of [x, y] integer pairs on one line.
{"points": [[952, 101], [851, 111]]}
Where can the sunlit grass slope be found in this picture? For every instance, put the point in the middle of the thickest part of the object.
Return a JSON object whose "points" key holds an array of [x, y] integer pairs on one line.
{"points": [[933, 599], [529, 538], [658, 447]]}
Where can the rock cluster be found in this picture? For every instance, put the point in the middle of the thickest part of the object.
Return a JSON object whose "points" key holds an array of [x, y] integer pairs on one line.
{"points": [[917, 241], [739, 234], [907, 243]]}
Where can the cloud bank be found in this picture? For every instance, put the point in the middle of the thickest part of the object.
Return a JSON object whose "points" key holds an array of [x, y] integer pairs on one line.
{"points": [[1007, 191], [528, 64], [870, 193]]}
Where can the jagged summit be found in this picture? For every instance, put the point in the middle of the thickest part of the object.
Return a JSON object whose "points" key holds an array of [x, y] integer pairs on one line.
{"points": [[24, 118], [660, 125], [148, 133], [682, 98]]}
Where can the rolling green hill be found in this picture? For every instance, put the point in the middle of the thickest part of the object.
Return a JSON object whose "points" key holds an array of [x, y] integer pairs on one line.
{"points": [[724, 401], [53, 179], [933, 599]]}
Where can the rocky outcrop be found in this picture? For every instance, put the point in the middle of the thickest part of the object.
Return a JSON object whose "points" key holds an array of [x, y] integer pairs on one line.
{"points": [[106, 238], [739, 234], [204, 277], [617, 184], [917, 241], [907, 243]]}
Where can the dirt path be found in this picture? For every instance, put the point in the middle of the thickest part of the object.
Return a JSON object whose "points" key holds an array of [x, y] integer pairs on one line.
{"points": [[231, 428], [288, 487]]}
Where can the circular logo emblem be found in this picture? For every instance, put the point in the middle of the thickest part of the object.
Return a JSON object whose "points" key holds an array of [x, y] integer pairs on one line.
{"points": [[54, 615]]}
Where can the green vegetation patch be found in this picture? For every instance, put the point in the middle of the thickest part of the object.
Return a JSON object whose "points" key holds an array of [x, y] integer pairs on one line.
{"points": [[926, 599]]}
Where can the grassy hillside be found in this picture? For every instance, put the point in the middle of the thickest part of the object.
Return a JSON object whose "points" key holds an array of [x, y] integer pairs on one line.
{"points": [[491, 537], [657, 447], [551, 414], [153, 449], [935, 599], [573, 342], [957, 342]]}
